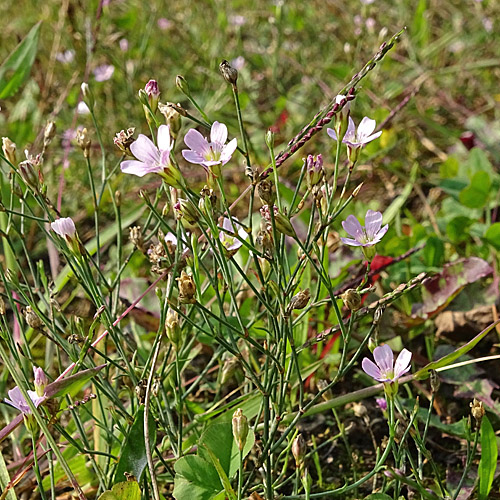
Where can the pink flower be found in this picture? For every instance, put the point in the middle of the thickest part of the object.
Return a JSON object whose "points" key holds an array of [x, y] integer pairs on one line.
{"points": [[151, 88], [385, 370], [103, 72], [64, 227], [366, 236], [65, 57], [381, 403], [41, 380], [18, 401], [227, 237], [123, 43], [360, 137], [164, 24], [209, 154], [150, 159]]}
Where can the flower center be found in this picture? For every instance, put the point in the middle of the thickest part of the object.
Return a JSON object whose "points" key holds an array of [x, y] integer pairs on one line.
{"points": [[213, 154]]}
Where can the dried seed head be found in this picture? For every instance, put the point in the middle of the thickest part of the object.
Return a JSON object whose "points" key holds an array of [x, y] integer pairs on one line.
{"points": [[9, 150], [352, 299], [299, 449], [265, 190], [229, 369], [322, 385], [32, 318], [240, 428], [172, 117], [135, 237], [83, 140], [359, 409], [477, 410], [2, 306], [299, 301], [229, 73], [140, 390], [435, 382], [124, 139], [187, 288], [49, 133]]}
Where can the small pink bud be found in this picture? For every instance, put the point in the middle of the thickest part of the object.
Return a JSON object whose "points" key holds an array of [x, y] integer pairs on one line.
{"points": [[41, 381]]}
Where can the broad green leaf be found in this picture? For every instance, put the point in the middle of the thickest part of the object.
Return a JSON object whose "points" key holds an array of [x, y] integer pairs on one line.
{"points": [[453, 356], [126, 490], [17, 67], [72, 384], [222, 475], [433, 252], [488, 462], [475, 195], [218, 438], [5, 480], [457, 229], [196, 479], [133, 454], [492, 235], [449, 168]]}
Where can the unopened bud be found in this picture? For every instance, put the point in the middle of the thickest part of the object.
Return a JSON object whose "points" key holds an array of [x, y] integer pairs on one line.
{"points": [[352, 299], [342, 117], [83, 140], [229, 73], [299, 449], [185, 210], [283, 224], [187, 288], [182, 85], [314, 170], [172, 327], [41, 381], [229, 369], [270, 139], [240, 428], [356, 191], [207, 201], [153, 93], [9, 150], [32, 318], [88, 96], [372, 344]]}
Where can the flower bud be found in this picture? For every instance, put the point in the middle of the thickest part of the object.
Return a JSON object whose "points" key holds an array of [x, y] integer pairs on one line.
{"points": [[186, 211], [9, 150], [240, 428], [283, 224], [83, 140], [477, 410], [207, 201], [265, 190], [342, 117], [299, 449], [229, 369], [352, 299], [88, 96], [29, 174], [299, 301], [229, 73], [182, 85], [153, 94], [41, 381], [187, 288], [270, 139], [124, 139], [314, 170], [372, 343], [172, 328], [172, 117]]}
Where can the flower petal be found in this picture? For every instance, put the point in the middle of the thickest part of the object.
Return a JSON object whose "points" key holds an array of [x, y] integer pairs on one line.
{"points": [[331, 133], [145, 150], [164, 142], [384, 358], [138, 168], [352, 226], [218, 133], [353, 243], [372, 137], [365, 128], [192, 156], [350, 134], [370, 368], [402, 363], [373, 222], [228, 150], [195, 141]]}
